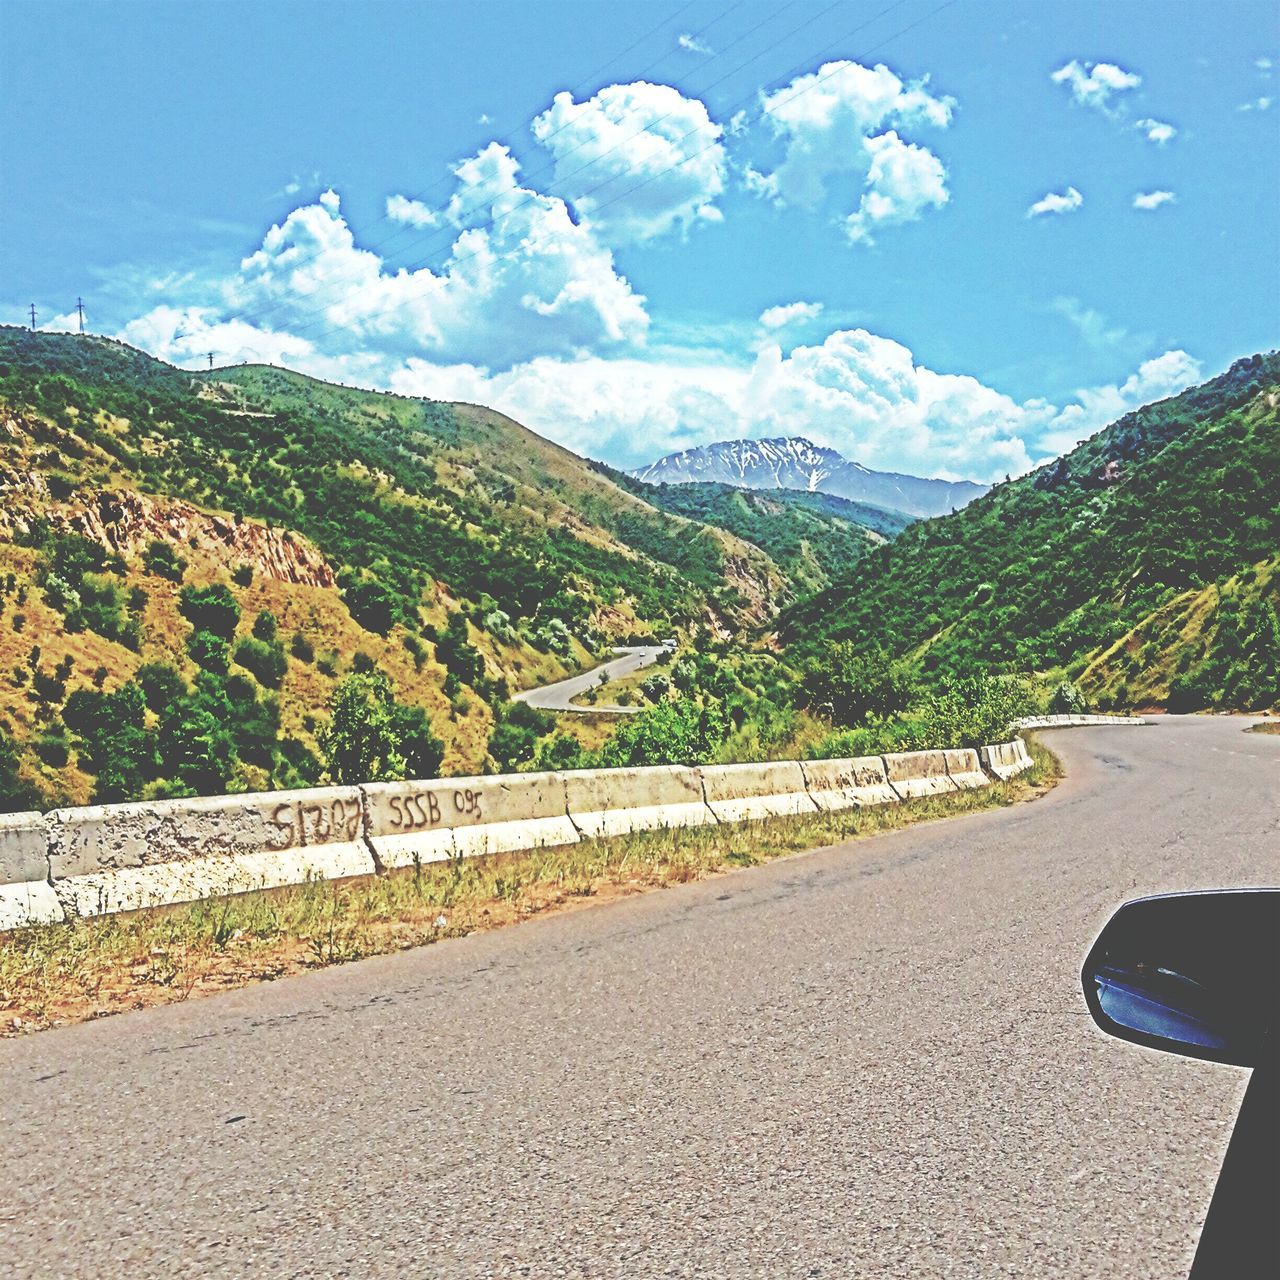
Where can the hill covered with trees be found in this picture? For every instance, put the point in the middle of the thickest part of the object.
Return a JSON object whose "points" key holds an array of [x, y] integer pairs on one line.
{"points": [[1143, 564], [191, 565]]}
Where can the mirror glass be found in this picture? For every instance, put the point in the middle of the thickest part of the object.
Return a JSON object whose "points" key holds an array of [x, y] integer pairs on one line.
{"points": [[1196, 973]]}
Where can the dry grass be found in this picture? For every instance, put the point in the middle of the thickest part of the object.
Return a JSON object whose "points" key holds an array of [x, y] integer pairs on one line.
{"points": [[1267, 726], [59, 974]]}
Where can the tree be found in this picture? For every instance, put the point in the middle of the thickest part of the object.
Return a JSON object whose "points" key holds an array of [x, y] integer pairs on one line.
{"points": [[212, 609], [361, 742], [848, 686]]}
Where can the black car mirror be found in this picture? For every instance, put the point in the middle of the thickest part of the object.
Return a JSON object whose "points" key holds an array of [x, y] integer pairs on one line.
{"points": [[1191, 973]]}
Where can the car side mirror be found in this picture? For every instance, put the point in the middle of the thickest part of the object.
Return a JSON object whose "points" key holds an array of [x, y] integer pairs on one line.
{"points": [[1191, 973]]}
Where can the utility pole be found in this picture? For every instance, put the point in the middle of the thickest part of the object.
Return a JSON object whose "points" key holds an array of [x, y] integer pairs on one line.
{"points": [[33, 317], [210, 359], [80, 310]]}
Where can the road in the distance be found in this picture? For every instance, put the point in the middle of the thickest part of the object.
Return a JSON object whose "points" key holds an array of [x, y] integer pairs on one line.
{"points": [[559, 696], [870, 1061]]}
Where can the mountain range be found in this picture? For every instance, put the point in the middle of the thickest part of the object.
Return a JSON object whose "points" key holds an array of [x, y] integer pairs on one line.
{"points": [[792, 462]]}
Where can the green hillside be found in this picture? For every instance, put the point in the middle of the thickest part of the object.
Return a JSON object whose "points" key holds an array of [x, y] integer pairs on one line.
{"points": [[1142, 562], [190, 565], [815, 538]]}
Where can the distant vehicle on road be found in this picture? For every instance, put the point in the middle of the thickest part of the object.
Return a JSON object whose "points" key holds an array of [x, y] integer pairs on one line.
{"points": [[1198, 974], [669, 644]]}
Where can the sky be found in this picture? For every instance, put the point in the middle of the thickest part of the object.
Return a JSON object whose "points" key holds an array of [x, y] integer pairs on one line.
{"points": [[947, 237]]}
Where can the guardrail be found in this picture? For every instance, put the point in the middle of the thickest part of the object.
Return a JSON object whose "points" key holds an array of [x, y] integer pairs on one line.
{"points": [[1066, 722], [106, 858]]}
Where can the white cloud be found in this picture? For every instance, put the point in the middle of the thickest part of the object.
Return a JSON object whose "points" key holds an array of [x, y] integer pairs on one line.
{"points": [[529, 281], [1095, 407], [1153, 199], [861, 394], [1067, 201], [1157, 131], [636, 160], [1257, 104], [903, 181], [842, 123], [1263, 64], [691, 44], [1091, 325], [412, 212], [1095, 84], [789, 313]]}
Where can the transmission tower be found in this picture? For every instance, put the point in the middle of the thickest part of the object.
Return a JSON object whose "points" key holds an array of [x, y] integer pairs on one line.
{"points": [[80, 312], [33, 317], [210, 359]]}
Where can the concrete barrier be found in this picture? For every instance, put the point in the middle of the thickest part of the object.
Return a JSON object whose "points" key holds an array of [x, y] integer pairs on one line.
{"points": [[964, 769], [26, 896], [739, 792], [412, 822], [1068, 722], [918, 773], [848, 784], [1005, 760], [122, 857], [611, 802]]}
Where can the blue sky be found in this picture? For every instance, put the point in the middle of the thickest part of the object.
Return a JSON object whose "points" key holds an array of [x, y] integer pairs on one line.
{"points": [[907, 230]]}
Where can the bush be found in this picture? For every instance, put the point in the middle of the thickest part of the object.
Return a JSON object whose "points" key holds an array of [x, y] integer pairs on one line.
{"points": [[847, 687], [242, 575], [516, 730], [162, 686], [212, 609], [265, 627], [161, 559], [370, 603], [209, 651], [1067, 700], [301, 648], [266, 661], [679, 732], [361, 742]]}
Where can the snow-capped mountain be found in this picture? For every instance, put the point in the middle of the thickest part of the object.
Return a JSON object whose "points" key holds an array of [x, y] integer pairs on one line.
{"points": [[792, 462]]}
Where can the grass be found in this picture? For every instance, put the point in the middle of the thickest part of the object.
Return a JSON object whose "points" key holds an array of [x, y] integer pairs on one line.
{"points": [[57, 974]]}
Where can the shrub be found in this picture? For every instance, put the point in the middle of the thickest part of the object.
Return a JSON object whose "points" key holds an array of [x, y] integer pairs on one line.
{"points": [[265, 627], [1067, 700], [847, 686], [209, 651], [242, 575], [301, 648], [212, 609], [266, 661], [361, 742], [161, 559]]}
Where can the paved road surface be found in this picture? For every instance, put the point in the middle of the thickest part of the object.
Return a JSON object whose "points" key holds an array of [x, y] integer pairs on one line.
{"points": [[559, 696], [870, 1061]]}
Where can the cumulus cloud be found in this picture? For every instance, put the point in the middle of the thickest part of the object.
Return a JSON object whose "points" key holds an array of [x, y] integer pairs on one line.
{"points": [[903, 181], [1256, 104], [789, 313], [862, 394], [1153, 199], [1263, 64], [522, 279], [1095, 84], [1156, 379], [1157, 131], [1067, 201], [636, 160], [843, 123], [411, 212], [691, 44]]}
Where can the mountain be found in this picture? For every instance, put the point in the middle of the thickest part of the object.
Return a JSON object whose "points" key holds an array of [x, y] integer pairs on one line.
{"points": [[191, 563], [792, 462], [1145, 563], [814, 538]]}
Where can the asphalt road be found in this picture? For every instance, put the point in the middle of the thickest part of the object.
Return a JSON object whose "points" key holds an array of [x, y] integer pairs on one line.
{"points": [[869, 1061], [559, 696]]}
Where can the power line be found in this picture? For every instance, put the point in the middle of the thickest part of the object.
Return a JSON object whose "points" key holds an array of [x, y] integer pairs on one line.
{"points": [[818, 80]]}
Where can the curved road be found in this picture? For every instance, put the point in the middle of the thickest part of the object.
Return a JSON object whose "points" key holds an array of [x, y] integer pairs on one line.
{"points": [[559, 696], [872, 1060]]}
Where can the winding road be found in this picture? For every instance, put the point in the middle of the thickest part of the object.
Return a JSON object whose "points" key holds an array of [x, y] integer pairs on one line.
{"points": [[559, 696], [868, 1061]]}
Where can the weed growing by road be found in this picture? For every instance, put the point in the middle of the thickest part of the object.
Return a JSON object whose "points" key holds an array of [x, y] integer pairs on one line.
{"points": [[62, 973]]}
